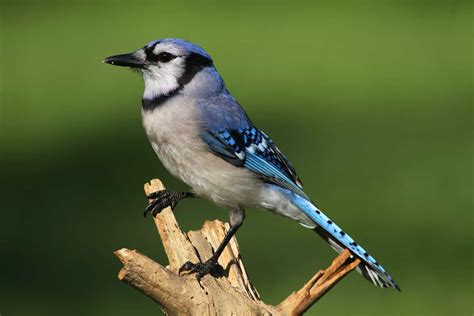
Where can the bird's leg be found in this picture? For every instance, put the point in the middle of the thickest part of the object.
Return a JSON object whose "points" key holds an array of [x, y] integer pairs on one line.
{"points": [[162, 199], [237, 216]]}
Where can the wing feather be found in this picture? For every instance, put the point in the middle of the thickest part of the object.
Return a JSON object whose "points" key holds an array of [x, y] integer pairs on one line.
{"points": [[252, 149]]}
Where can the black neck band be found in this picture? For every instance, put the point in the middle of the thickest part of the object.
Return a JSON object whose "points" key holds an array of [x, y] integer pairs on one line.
{"points": [[150, 104]]}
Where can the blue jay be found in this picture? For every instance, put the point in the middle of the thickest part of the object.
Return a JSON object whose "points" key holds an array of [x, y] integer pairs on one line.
{"points": [[203, 137]]}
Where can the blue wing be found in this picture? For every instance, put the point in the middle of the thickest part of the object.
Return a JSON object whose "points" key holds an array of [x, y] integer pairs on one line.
{"points": [[252, 149]]}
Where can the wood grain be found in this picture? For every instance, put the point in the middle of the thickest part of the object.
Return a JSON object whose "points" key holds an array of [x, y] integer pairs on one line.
{"points": [[230, 294]]}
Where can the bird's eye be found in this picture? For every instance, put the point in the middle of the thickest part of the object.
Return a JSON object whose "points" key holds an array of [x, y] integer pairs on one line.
{"points": [[165, 57]]}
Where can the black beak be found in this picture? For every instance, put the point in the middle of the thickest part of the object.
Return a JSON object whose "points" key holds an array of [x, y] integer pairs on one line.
{"points": [[126, 60]]}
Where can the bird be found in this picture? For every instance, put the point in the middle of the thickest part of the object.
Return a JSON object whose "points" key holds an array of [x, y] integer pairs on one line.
{"points": [[204, 137]]}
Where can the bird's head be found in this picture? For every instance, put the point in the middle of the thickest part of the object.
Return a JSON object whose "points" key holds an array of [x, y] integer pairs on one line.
{"points": [[168, 66]]}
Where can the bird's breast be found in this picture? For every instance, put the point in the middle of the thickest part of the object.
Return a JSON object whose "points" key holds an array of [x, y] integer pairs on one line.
{"points": [[170, 121], [174, 133], [173, 130]]}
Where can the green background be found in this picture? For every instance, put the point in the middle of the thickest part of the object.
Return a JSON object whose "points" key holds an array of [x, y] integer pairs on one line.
{"points": [[371, 101]]}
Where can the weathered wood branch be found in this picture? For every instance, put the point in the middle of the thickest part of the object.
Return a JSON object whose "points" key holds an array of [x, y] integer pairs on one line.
{"points": [[232, 293]]}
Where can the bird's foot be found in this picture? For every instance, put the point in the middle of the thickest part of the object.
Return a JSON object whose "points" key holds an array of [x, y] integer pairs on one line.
{"points": [[162, 199], [201, 269]]}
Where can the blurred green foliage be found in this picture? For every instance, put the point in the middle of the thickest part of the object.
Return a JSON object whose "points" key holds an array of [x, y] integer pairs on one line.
{"points": [[372, 102]]}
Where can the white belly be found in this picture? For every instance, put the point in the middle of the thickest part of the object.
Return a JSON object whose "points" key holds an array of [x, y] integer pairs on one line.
{"points": [[173, 130]]}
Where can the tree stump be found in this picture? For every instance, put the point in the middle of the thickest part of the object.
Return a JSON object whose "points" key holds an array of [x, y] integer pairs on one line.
{"points": [[230, 294]]}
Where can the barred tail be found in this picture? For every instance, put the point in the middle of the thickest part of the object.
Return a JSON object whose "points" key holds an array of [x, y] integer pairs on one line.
{"points": [[339, 240]]}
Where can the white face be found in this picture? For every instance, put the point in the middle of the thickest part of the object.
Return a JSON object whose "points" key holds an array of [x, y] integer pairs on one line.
{"points": [[166, 64]]}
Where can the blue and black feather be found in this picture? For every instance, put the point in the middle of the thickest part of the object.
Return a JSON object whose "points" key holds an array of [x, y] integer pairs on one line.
{"points": [[254, 150]]}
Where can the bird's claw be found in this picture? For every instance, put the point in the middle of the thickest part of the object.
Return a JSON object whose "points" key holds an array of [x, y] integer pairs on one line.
{"points": [[201, 269], [161, 200]]}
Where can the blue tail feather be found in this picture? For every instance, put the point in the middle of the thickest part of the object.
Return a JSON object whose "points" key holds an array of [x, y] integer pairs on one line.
{"points": [[340, 240]]}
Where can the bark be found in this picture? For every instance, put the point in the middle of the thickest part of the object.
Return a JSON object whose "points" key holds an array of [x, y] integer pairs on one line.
{"points": [[232, 293]]}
